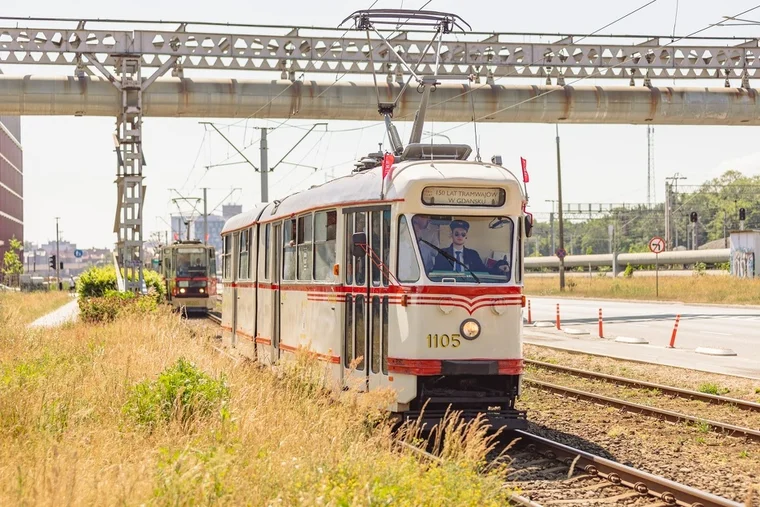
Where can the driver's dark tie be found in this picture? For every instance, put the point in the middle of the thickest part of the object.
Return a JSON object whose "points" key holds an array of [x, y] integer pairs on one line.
{"points": [[458, 267]]}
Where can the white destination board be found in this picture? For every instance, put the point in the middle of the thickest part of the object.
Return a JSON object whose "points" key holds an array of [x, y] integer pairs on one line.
{"points": [[451, 196]]}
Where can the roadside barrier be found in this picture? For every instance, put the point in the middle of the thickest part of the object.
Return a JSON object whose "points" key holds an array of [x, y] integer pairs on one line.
{"points": [[601, 332], [675, 330]]}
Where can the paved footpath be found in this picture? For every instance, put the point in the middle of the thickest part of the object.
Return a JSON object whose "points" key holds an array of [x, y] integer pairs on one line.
{"points": [[67, 313], [701, 326]]}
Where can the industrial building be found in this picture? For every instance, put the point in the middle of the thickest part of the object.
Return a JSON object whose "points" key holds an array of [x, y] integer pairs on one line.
{"points": [[11, 182]]}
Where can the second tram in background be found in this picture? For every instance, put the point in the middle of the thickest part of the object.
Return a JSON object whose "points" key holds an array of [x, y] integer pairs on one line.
{"points": [[189, 268]]}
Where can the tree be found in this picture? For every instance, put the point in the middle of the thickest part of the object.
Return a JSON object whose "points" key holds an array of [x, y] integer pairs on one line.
{"points": [[12, 264]]}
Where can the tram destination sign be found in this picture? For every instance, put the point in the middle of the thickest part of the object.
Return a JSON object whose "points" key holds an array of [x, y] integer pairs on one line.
{"points": [[457, 196]]}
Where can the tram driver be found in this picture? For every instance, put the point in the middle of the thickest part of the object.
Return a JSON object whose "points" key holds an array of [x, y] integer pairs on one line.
{"points": [[459, 258]]}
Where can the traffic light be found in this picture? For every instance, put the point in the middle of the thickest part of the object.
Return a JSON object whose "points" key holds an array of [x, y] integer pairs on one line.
{"points": [[693, 217], [742, 214], [51, 262]]}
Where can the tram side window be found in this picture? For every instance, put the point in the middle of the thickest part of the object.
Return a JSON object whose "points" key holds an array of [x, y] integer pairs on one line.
{"points": [[375, 243], [227, 257], [349, 268], [305, 250], [325, 224], [212, 263], [360, 266], [408, 267], [265, 250], [244, 265], [289, 250], [386, 244]]}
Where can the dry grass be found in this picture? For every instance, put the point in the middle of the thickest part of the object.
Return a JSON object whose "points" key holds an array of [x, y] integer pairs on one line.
{"points": [[688, 289], [281, 440], [25, 307]]}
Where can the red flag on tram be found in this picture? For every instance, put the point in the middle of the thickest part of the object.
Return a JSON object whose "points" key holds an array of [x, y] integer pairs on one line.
{"points": [[524, 164], [176, 236], [388, 161]]}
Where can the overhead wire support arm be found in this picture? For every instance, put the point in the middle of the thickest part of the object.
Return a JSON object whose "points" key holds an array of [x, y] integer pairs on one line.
{"points": [[230, 143], [299, 142]]}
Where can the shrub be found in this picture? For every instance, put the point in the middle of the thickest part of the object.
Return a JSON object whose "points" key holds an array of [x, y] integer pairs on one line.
{"points": [[700, 268], [97, 281], [182, 392], [114, 304], [628, 273]]}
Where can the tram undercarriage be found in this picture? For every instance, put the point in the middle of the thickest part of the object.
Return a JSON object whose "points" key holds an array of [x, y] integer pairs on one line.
{"points": [[493, 396]]}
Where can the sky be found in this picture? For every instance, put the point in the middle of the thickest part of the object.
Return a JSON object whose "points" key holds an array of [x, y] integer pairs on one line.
{"points": [[69, 164]]}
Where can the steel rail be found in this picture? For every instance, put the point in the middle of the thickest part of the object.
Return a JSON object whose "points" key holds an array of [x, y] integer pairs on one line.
{"points": [[645, 483], [214, 318], [637, 408], [425, 455], [673, 391]]}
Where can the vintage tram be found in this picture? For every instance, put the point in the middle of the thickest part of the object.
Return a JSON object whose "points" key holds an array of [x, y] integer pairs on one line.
{"points": [[406, 276], [189, 269]]}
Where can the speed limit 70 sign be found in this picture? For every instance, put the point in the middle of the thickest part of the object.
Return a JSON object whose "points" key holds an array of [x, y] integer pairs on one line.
{"points": [[657, 245]]}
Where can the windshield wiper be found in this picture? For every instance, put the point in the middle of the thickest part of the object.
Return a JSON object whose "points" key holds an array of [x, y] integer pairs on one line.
{"points": [[451, 258]]}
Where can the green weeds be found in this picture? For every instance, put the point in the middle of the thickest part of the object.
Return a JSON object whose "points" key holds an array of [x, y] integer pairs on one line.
{"points": [[181, 392]]}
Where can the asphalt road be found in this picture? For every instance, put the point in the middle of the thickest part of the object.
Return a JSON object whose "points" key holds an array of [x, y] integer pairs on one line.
{"points": [[734, 328]]}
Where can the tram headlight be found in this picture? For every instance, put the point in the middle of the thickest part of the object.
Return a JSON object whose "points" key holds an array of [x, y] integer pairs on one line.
{"points": [[182, 291], [469, 329], [201, 290]]}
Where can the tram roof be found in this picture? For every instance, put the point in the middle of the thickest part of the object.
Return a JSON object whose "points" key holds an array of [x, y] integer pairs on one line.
{"points": [[364, 187]]}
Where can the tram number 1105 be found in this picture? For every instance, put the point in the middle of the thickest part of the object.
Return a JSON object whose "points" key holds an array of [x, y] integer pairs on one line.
{"points": [[435, 341]]}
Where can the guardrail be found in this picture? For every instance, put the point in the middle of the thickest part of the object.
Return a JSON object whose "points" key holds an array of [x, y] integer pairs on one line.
{"points": [[617, 261]]}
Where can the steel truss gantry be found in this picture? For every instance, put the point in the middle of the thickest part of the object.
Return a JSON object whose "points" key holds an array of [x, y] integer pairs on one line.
{"points": [[293, 50]]}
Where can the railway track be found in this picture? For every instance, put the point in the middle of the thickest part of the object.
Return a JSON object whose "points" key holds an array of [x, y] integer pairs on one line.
{"points": [[615, 482], [546, 471], [214, 317], [647, 410], [639, 384]]}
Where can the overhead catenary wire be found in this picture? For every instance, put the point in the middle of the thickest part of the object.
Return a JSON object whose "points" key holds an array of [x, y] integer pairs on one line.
{"points": [[549, 92], [536, 61]]}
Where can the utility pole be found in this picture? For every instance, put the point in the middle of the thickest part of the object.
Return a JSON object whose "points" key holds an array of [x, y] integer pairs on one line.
{"points": [[57, 256], [264, 154], [264, 147], [650, 165], [205, 217], [667, 216], [561, 226]]}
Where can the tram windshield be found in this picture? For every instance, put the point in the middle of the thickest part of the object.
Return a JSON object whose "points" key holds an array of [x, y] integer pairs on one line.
{"points": [[464, 249], [192, 262]]}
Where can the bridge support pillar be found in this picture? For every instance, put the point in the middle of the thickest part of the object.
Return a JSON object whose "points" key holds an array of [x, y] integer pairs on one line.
{"points": [[615, 267]]}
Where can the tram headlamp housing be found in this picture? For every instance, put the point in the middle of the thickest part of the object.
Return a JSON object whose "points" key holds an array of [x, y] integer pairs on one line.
{"points": [[469, 329], [182, 291]]}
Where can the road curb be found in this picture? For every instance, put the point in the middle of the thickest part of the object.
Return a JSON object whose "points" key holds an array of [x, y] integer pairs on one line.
{"points": [[633, 340]]}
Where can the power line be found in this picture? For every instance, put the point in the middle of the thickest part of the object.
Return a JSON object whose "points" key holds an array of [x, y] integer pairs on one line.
{"points": [[548, 92]]}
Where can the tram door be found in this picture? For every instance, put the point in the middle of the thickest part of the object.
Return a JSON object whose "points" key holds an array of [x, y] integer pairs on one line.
{"points": [[366, 327], [234, 289], [276, 245]]}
